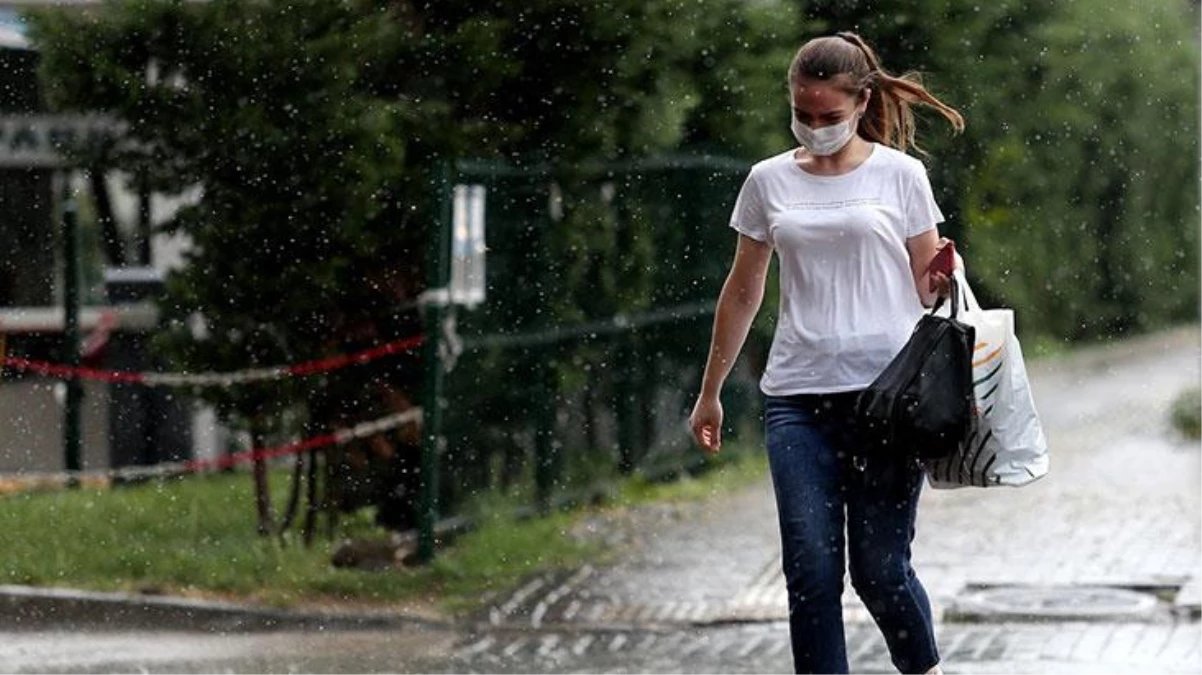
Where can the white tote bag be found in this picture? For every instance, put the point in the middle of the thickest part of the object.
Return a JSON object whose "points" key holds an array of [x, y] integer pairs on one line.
{"points": [[1005, 443]]}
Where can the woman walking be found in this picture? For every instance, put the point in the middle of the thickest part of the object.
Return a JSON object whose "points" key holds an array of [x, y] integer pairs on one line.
{"points": [[853, 222]]}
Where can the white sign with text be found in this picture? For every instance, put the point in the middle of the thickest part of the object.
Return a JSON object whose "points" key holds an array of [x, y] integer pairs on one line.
{"points": [[40, 141]]}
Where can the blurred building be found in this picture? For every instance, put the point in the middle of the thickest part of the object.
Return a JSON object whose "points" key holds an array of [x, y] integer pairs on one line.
{"points": [[122, 424]]}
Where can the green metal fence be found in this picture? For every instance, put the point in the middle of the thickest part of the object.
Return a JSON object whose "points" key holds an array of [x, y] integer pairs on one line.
{"points": [[583, 362]]}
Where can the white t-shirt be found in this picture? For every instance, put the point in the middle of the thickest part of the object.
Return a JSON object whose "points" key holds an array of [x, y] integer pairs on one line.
{"points": [[847, 297]]}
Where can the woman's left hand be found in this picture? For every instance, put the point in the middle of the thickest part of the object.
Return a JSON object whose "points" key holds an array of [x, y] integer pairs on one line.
{"points": [[939, 283]]}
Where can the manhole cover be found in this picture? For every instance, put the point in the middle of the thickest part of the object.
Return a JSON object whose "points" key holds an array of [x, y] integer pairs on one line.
{"points": [[1055, 602]]}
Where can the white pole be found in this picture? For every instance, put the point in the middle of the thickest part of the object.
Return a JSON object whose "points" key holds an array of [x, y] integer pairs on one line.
{"points": [[1197, 163]]}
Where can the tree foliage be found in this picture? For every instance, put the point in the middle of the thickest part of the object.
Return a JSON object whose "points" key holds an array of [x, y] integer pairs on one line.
{"points": [[1087, 206], [317, 129], [265, 108], [1074, 190]]}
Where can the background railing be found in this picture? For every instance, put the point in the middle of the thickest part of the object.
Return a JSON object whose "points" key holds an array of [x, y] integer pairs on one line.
{"points": [[583, 362]]}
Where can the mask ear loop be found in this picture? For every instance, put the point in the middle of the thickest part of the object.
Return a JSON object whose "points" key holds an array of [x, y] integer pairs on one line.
{"points": [[859, 114]]}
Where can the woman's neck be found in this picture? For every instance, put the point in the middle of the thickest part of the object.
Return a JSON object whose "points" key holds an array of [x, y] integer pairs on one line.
{"points": [[847, 158]]}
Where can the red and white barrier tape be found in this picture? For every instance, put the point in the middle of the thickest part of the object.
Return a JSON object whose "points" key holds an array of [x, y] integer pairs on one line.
{"points": [[152, 379], [339, 437]]}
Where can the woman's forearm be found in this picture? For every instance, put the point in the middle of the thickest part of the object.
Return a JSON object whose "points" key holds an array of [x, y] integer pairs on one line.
{"points": [[736, 309]]}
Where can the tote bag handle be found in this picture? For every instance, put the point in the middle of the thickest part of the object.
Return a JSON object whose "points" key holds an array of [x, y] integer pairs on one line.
{"points": [[955, 294], [967, 296]]}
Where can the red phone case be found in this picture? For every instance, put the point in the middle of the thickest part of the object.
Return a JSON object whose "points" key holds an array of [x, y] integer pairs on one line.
{"points": [[945, 260]]}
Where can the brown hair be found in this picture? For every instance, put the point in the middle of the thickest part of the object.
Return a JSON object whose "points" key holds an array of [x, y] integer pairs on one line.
{"points": [[889, 118]]}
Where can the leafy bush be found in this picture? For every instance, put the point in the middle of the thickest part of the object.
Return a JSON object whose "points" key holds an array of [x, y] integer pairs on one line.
{"points": [[1187, 412]]}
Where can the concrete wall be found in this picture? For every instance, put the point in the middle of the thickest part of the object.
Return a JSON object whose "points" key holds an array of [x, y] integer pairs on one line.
{"points": [[31, 426]]}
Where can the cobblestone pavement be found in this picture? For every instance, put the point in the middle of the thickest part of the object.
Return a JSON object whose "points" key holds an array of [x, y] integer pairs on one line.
{"points": [[1048, 649], [1079, 647], [1066, 648], [1117, 518]]}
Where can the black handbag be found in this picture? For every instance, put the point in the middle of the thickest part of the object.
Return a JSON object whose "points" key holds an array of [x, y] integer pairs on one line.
{"points": [[921, 404]]}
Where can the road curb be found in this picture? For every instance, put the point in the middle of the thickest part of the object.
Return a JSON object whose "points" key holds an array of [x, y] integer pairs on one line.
{"points": [[35, 608]]}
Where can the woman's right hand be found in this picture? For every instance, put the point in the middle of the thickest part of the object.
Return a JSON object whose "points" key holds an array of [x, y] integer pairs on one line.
{"points": [[706, 423]]}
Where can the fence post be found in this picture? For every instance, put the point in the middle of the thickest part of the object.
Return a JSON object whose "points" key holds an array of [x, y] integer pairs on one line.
{"points": [[624, 391], [546, 464], [434, 310], [74, 400]]}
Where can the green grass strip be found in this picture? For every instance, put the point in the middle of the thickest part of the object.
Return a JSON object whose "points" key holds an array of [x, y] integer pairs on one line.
{"points": [[196, 536]]}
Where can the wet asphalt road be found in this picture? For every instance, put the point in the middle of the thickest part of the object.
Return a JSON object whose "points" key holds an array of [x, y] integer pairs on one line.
{"points": [[185, 652], [699, 590]]}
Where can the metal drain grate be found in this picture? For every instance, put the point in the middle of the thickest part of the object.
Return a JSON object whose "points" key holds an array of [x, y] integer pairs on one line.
{"points": [[1061, 603]]}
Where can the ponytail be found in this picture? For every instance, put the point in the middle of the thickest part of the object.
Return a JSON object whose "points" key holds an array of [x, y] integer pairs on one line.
{"points": [[889, 118]]}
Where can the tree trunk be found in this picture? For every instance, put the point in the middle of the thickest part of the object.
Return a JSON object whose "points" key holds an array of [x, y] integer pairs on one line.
{"points": [[298, 473], [313, 506], [262, 490], [331, 498]]}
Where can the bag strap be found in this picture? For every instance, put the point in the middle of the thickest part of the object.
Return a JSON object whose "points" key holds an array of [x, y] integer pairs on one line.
{"points": [[970, 299]]}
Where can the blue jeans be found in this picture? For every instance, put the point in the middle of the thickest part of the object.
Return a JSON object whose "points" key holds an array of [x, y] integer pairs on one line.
{"points": [[824, 482]]}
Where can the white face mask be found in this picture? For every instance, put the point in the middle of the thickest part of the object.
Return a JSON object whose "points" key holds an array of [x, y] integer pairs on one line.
{"points": [[825, 140]]}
